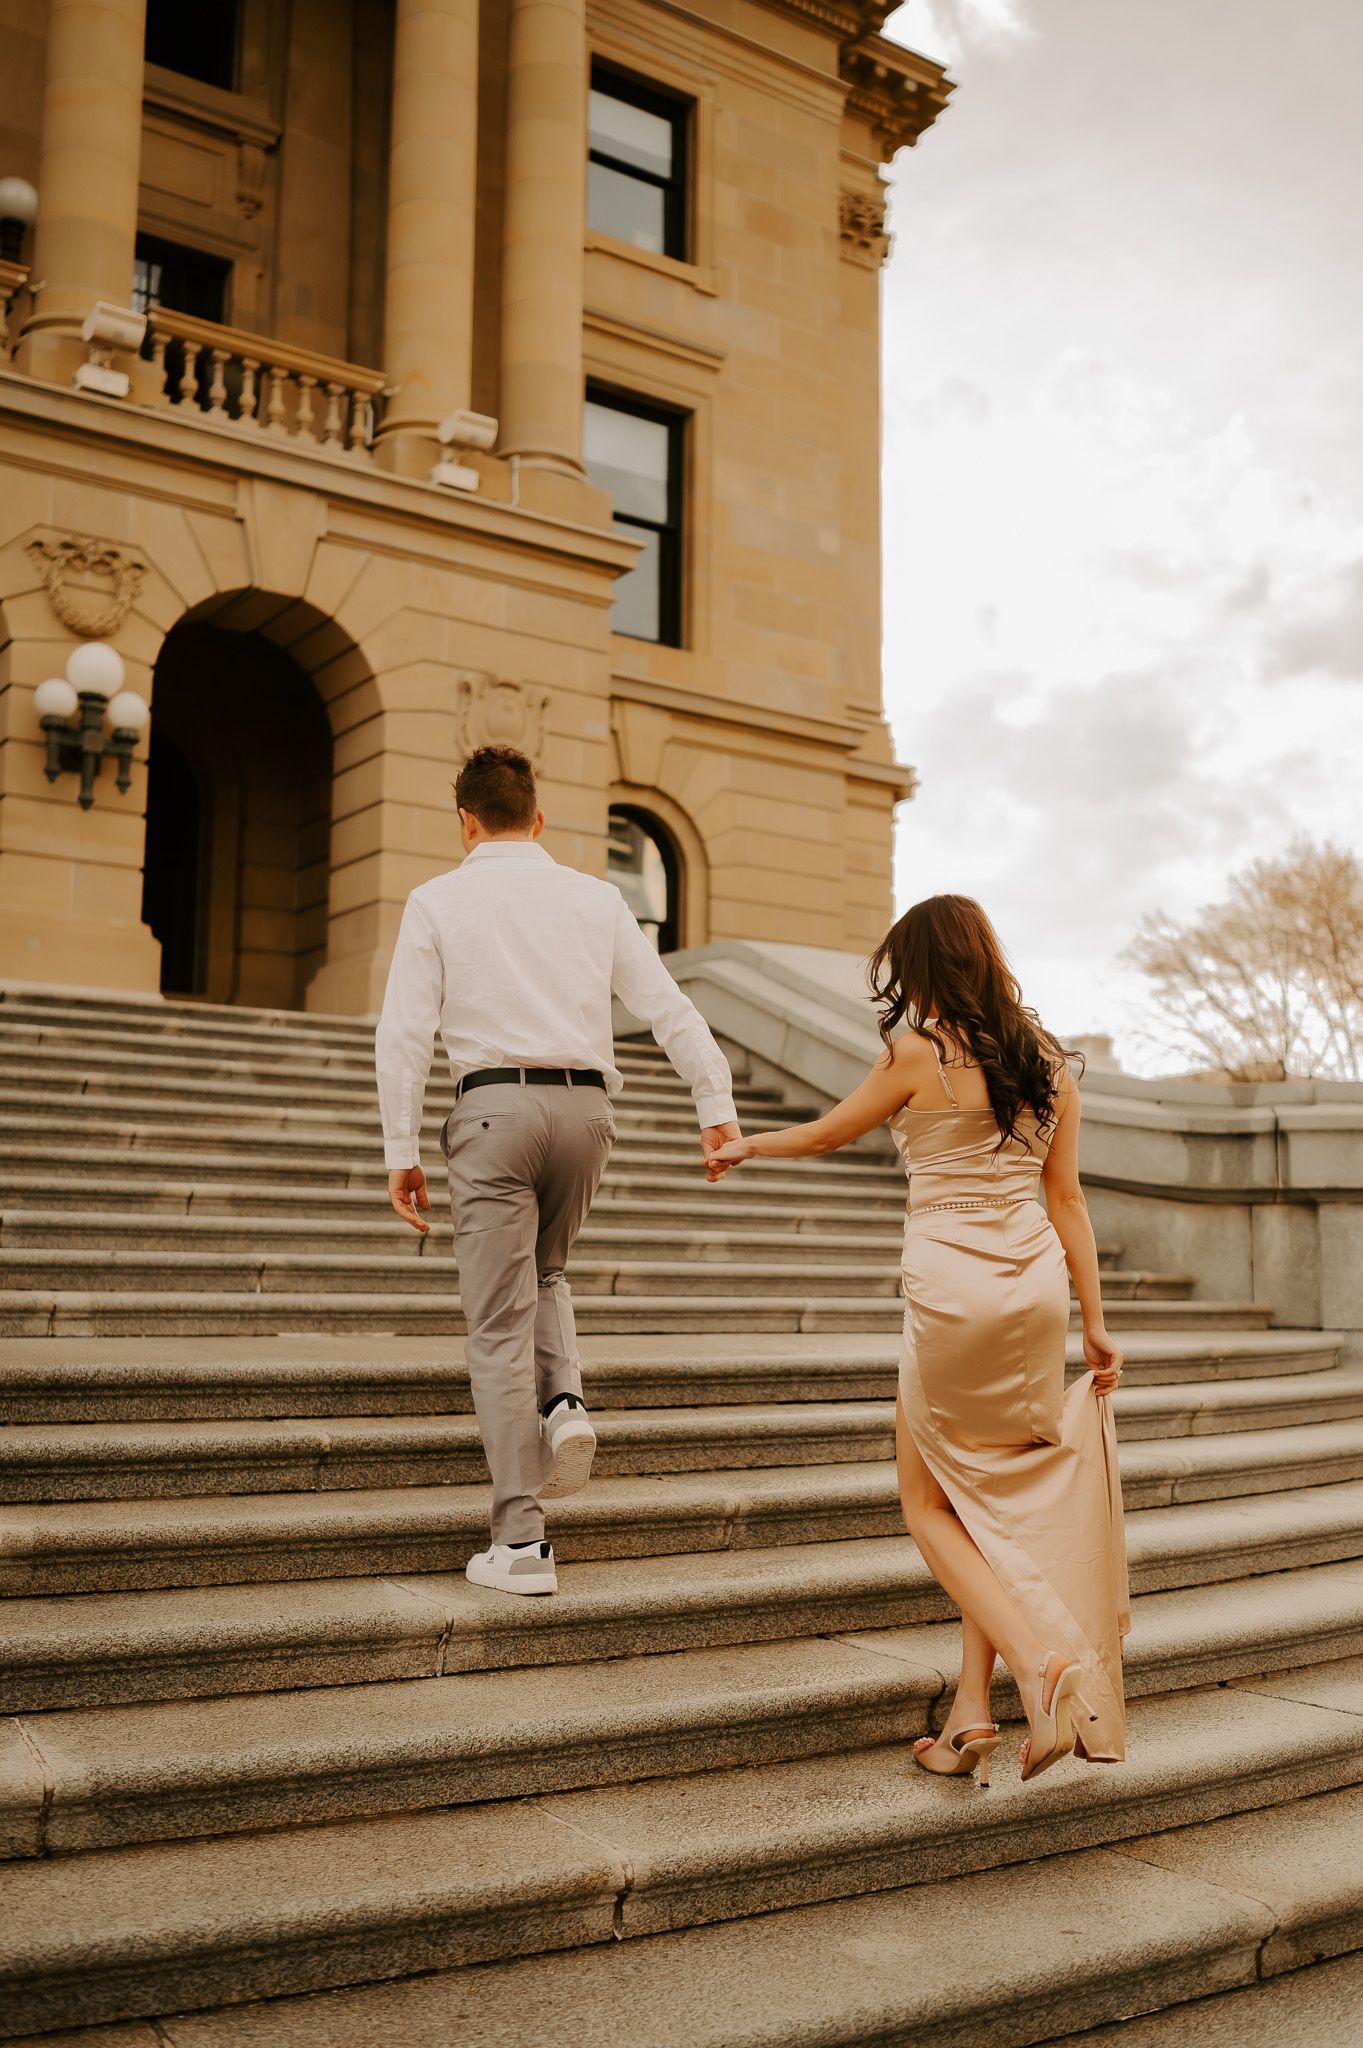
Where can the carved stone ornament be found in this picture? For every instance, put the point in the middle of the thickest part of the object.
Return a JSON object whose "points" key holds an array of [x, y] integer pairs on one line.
{"points": [[251, 168], [494, 712], [862, 221], [90, 583]]}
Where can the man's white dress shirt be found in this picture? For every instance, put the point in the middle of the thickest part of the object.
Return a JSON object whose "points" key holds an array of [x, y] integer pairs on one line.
{"points": [[515, 960]]}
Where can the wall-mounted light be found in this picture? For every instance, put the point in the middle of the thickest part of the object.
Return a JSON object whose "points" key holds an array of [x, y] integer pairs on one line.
{"points": [[18, 211], [92, 684]]}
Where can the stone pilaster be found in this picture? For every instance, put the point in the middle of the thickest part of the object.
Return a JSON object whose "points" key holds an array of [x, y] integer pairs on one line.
{"points": [[428, 317], [544, 227], [87, 177]]}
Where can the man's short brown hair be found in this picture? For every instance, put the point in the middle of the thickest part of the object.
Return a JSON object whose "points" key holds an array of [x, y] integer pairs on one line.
{"points": [[498, 785]]}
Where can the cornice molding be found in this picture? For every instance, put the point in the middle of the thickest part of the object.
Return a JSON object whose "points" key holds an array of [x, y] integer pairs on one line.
{"points": [[900, 93]]}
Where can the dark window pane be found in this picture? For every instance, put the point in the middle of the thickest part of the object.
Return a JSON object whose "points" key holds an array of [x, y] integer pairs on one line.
{"points": [[182, 280], [630, 134], [627, 208], [629, 457], [637, 147], [197, 38], [638, 593], [636, 866]]}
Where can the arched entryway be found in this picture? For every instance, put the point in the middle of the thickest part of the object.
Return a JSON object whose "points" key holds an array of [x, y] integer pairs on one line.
{"points": [[644, 863], [237, 861]]}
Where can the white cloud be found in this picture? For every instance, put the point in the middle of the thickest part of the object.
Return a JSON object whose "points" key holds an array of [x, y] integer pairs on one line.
{"points": [[950, 29], [1120, 649]]}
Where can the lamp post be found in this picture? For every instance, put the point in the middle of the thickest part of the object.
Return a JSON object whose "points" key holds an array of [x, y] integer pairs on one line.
{"points": [[92, 685], [18, 211]]}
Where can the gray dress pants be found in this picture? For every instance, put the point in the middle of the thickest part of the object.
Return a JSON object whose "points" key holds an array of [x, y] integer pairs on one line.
{"points": [[524, 1163]]}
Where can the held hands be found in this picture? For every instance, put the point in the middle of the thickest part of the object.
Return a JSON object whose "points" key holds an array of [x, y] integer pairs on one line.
{"points": [[1103, 1359], [407, 1193], [721, 1146]]}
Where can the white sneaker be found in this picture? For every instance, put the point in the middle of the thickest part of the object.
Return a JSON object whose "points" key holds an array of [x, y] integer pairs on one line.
{"points": [[511, 1569], [572, 1441]]}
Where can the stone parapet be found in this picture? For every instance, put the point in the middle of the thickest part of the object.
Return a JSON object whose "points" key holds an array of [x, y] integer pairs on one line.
{"points": [[1258, 1188]]}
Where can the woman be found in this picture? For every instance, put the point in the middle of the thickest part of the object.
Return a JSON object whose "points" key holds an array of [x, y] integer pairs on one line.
{"points": [[1009, 1484]]}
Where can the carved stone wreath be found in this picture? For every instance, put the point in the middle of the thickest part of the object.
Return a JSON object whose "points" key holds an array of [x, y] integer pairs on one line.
{"points": [[862, 221], [90, 583], [495, 712]]}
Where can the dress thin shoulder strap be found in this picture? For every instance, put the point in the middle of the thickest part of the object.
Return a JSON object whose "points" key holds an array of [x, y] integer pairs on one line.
{"points": [[949, 1091]]}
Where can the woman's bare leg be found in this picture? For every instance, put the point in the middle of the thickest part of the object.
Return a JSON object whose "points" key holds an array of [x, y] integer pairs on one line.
{"points": [[978, 1657], [990, 1621]]}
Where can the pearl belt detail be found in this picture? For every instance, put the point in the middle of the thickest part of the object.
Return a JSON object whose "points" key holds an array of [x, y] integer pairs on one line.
{"points": [[973, 1202]]}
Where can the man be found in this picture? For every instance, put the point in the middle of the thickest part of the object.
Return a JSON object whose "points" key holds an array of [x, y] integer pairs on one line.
{"points": [[515, 959]]}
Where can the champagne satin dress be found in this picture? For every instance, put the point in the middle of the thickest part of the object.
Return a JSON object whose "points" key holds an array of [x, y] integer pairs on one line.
{"points": [[1029, 1467]]}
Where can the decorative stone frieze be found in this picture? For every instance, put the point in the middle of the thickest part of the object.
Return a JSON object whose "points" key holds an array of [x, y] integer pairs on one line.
{"points": [[495, 712], [862, 222], [90, 583]]}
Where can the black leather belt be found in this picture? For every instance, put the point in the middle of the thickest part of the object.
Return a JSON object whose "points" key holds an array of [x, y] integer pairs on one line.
{"points": [[551, 1077]]}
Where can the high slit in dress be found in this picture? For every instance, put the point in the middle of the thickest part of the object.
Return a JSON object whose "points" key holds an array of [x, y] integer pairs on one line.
{"points": [[1029, 1467]]}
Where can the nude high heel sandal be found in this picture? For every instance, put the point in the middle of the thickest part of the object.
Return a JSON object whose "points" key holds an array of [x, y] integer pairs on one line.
{"points": [[1053, 1733], [972, 1748]]}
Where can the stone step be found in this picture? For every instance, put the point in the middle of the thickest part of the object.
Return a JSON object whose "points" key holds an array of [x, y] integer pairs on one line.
{"points": [[99, 1778], [50, 1018], [101, 1648], [1173, 1384], [412, 1264], [73, 1462], [1075, 1940], [379, 1233], [158, 1537], [325, 1146], [123, 1932], [151, 1460], [322, 1080], [682, 1201], [112, 1777], [343, 1117], [848, 1181], [1307, 2005], [64, 1312]]}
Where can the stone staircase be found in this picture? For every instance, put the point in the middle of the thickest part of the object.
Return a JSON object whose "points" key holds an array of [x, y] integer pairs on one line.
{"points": [[238, 1482]]}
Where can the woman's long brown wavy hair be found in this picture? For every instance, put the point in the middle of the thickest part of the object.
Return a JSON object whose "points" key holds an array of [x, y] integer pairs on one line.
{"points": [[943, 959]]}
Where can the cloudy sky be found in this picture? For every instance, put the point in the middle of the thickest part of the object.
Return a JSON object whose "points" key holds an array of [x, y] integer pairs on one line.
{"points": [[1124, 466]]}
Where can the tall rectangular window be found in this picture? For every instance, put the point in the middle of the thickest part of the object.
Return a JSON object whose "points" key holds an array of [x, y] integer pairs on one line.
{"points": [[635, 451], [636, 169], [197, 38]]}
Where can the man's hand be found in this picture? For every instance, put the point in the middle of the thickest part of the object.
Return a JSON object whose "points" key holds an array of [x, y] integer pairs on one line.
{"points": [[407, 1193], [711, 1138]]}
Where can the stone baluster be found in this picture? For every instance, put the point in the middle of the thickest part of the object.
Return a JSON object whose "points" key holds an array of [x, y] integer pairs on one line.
{"points": [[189, 381], [302, 425], [217, 390], [158, 362], [331, 428], [246, 405], [274, 410], [361, 420]]}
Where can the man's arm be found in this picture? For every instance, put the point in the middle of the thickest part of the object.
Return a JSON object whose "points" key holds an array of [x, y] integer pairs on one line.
{"points": [[403, 1044], [646, 989]]}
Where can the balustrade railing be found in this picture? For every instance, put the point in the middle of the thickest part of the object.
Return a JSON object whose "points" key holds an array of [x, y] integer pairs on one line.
{"points": [[13, 278], [264, 386]]}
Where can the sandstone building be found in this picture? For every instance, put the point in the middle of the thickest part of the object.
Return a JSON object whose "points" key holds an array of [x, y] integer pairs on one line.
{"points": [[623, 254]]}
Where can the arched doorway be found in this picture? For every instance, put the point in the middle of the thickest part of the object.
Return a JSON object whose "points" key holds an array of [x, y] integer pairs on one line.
{"points": [[643, 862], [237, 859]]}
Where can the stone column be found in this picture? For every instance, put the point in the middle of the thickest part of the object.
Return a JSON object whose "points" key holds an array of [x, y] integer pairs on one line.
{"points": [[87, 177], [428, 312], [544, 224]]}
